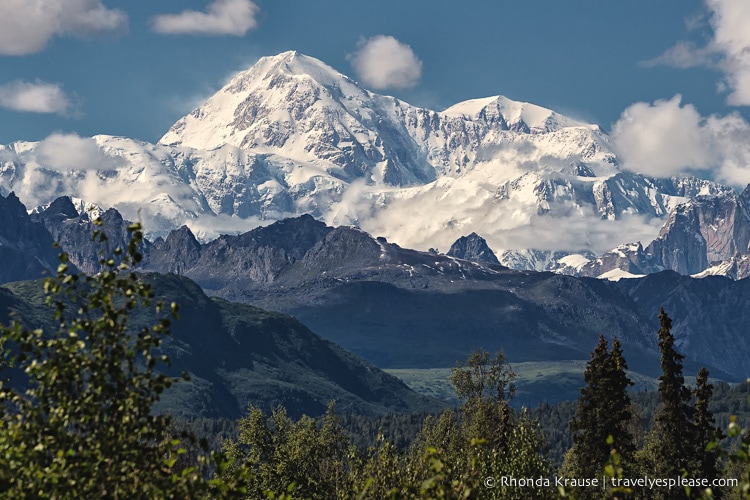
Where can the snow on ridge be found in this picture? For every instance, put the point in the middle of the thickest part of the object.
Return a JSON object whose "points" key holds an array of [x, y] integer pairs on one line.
{"points": [[618, 274], [537, 118], [575, 261]]}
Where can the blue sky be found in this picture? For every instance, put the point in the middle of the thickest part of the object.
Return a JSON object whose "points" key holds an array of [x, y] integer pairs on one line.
{"points": [[116, 67]]}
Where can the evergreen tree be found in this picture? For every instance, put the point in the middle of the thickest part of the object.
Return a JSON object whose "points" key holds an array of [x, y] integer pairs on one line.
{"points": [[675, 414], [603, 411], [705, 432], [621, 414], [670, 448]]}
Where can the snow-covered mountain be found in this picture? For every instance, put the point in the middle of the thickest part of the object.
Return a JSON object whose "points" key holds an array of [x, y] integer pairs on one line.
{"points": [[292, 135]]}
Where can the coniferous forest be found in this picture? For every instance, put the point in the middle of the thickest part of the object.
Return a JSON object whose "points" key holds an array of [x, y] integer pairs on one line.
{"points": [[81, 424]]}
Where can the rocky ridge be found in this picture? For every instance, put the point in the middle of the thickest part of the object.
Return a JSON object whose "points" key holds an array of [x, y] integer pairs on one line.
{"points": [[404, 308]]}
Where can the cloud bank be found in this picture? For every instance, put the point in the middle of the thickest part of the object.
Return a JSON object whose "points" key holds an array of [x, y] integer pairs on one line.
{"points": [[26, 26], [63, 152], [222, 17], [36, 97], [383, 62], [728, 50], [666, 138]]}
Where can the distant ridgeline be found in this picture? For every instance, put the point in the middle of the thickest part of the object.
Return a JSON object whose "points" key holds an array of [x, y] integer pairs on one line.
{"points": [[401, 308]]}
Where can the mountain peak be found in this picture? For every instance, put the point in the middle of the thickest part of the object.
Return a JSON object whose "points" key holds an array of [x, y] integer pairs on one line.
{"points": [[291, 63], [518, 116], [266, 105], [473, 248]]}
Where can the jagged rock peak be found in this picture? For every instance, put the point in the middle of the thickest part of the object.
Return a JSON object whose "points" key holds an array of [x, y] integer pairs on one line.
{"points": [[182, 235], [13, 205], [25, 245], [473, 248], [62, 207]]}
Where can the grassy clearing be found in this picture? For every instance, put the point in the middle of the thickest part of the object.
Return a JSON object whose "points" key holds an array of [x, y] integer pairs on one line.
{"points": [[551, 381]]}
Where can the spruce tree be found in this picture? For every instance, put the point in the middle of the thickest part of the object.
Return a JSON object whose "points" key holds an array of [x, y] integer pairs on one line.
{"points": [[706, 431], [620, 414], [675, 414], [670, 447], [603, 411]]}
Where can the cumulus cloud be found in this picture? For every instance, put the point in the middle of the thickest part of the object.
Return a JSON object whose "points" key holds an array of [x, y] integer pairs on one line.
{"points": [[728, 50], [222, 17], [36, 97], [422, 217], [732, 39], [27, 25], [54, 167], [661, 139], [209, 227], [666, 138], [383, 62]]}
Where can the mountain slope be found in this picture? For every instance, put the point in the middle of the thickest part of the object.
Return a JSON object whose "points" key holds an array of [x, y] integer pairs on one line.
{"points": [[238, 354], [709, 315], [25, 245], [401, 308]]}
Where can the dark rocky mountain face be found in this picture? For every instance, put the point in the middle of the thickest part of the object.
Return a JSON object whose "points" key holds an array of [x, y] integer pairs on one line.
{"points": [[180, 252], [258, 256], [26, 247], [710, 315], [404, 308], [473, 248], [73, 232], [703, 232]]}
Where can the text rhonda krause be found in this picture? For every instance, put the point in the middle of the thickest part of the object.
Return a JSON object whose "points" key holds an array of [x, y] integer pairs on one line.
{"points": [[614, 482]]}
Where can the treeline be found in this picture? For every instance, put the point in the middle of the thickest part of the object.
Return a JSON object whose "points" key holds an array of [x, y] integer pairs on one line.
{"points": [[729, 401], [486, 449], [82, 425]]}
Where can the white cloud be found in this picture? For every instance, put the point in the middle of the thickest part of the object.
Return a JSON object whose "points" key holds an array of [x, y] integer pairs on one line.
{"points": [[207, 227], [64, 152], [684, 55], [730, 21], [666, 138], [512, 225], [383, 62], [662, 139], [728, 50], [222, 17], [36, 97], [27, 25]]}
